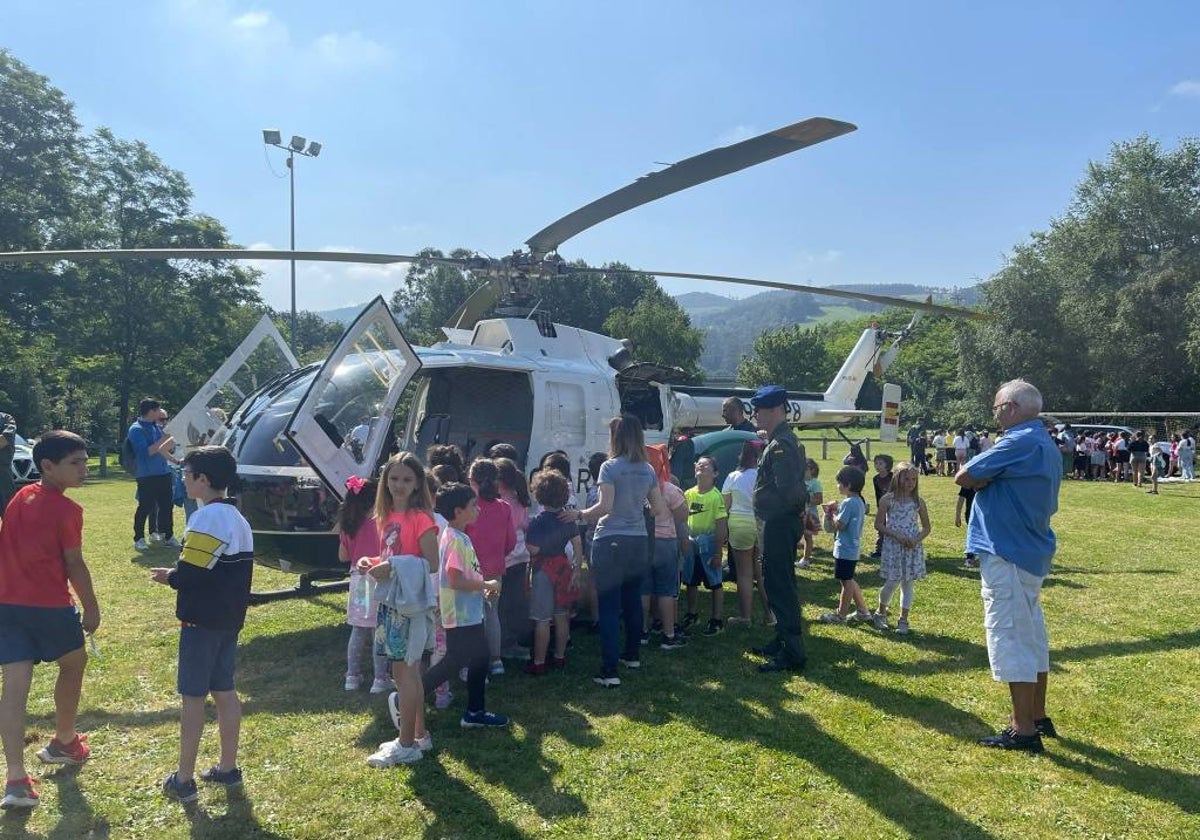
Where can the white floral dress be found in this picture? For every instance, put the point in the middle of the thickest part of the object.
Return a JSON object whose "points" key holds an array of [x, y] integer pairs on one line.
{"points": [[897, 562]]}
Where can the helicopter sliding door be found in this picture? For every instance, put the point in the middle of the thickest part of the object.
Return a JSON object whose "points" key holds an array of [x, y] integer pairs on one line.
{"points": [[262, 356], [342, 424]]}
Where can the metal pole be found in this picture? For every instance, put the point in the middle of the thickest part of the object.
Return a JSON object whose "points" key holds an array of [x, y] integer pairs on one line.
{"points": [[292, 192]]}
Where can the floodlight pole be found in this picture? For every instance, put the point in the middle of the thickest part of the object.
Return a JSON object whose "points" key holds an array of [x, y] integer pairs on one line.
{"points": [[313, 150], [292, 216]]}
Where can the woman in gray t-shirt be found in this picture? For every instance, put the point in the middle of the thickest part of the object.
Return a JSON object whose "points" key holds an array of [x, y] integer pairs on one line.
{"points": [[620, 547]]}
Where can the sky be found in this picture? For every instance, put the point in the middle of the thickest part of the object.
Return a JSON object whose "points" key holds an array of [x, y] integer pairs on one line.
{"points": [[474, 124]]}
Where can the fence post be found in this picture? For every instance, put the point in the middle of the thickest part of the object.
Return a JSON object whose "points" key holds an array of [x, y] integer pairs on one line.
{"points": [[103, 461], [824, 448]]}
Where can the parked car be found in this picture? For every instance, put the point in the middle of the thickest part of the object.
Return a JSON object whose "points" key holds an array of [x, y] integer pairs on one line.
{"points": [[23, 468]]}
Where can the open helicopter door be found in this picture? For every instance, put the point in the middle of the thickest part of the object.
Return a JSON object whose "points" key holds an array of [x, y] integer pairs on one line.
{"points": [[250, 365], [345, 419]]}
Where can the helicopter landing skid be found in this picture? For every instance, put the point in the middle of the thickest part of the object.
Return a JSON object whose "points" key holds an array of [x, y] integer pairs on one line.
{"points": [[306, 588]]}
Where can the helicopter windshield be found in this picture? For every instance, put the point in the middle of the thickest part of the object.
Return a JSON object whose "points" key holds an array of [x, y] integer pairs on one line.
{"points": [[351, 407], [257, 436]]}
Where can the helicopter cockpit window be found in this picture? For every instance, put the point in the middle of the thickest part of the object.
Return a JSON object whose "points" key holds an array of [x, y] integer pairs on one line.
{"points": [[257, 435], [349, 408]]}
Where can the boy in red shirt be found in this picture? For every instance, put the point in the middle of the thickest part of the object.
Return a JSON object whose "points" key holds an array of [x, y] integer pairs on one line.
{"points": [[40, 552]]}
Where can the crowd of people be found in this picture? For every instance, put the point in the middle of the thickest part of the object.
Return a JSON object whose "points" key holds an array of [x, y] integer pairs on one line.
{"points": [[456, 567]]}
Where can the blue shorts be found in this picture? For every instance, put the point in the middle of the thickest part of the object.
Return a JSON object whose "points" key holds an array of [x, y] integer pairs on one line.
{"points": [[38, 634], [663, 580], [844, 569], [698, 566], [207, 659]]}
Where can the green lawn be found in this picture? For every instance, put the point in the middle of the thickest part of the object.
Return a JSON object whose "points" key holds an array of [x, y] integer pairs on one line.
{"points": [[874, 740]]}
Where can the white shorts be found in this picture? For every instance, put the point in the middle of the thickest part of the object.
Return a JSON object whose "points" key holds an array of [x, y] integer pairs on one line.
{"points": [[1017, 643]]}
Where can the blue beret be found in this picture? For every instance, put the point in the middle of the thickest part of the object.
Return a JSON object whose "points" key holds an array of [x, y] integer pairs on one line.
{"points": [[769, 396]]}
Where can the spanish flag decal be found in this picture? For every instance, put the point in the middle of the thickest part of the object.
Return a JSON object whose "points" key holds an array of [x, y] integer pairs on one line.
{"points": [[202, 550]]}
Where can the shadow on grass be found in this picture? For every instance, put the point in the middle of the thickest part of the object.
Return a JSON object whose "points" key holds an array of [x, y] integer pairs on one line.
{"points": [[238, 821], [1169, 786]]}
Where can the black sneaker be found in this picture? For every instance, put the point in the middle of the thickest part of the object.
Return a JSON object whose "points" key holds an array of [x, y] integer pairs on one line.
{"points": [[689, 619], [673, 643], [1008, 739], [769, 650], [606, 680], [228, 778], [715, 626], [656, 627], [1045, 727], [173, 788], [645, 640]]}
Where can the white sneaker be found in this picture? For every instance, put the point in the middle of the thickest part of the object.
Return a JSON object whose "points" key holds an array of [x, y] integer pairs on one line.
{"points": [[424, 743], [353, 683], [172, 543], [379, 686], [393, 704], [155, 537], [140, 545], [392, 753]]}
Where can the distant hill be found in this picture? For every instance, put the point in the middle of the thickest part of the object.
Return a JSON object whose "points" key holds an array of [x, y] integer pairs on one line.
{"points": [[732, 325], [344, 315]]}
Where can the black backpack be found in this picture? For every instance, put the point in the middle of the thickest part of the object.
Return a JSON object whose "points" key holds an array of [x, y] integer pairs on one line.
{"points": [[127, 458]]}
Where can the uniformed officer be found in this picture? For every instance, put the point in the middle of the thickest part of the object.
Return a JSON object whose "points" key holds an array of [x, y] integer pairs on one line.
{"points": [[779, 499]]}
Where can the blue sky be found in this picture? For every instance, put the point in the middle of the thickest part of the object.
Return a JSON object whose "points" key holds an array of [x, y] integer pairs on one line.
{"points": [[474, 124]]}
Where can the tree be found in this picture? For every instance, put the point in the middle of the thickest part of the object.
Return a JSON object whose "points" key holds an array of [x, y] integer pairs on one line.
{"points": [[1099, 310], [661, 333], [795, 357]]}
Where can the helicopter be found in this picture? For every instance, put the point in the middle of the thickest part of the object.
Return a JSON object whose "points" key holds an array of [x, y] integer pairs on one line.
{"points": [[518, 378]]}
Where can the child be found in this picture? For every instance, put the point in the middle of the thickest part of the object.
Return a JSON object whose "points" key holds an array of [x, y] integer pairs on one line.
{"points": [[708, 525], [738, 493], [812, 514], [962, 513], [661, 584], [406, 530], [902, 521], [514, 600], [40, 553], [555, 578], [212, 581], [882, 483], [358, 537], [462, 591], [494, 537], [846, 520]]}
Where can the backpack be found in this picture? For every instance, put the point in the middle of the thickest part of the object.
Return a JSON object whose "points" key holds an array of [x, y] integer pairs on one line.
{"points": [[127, 458]]}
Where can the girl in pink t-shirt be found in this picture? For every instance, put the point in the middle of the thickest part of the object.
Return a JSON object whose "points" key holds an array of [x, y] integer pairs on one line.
{"points": [[358, 537], [406, 526], [493, 536]]}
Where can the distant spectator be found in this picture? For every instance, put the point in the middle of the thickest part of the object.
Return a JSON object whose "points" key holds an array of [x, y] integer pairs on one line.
{"points": [[8, 443], [1187, 456], [155, 479], [734, 413]]}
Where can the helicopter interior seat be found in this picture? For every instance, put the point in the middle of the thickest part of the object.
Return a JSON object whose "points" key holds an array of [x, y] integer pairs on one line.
{"points": [[471, 407]]}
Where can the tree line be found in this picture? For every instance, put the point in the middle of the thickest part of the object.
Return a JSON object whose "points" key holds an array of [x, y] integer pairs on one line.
{"points": [[1101, 310]]}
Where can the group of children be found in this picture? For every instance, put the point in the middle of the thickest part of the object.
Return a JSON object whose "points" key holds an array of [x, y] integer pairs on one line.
{"points": [[41, 561], [902, 524], [447, 562]]}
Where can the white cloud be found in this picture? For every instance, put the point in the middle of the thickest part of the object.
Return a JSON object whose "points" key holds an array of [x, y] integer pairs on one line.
{"points": [[1188, 87], [260, 38], [324, 286]]}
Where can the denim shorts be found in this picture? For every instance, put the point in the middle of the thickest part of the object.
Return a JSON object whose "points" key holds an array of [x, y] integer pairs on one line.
{"points": [[697, 568], [207, 659], [38, 634], [663, 579]]}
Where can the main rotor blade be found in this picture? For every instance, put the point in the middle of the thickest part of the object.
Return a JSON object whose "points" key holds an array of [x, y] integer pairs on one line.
{"points": [[688, 173], [884, 300], [214, 254]]}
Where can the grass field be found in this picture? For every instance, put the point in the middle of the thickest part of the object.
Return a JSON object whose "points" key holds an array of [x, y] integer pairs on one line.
{"points": [[875, 740]]}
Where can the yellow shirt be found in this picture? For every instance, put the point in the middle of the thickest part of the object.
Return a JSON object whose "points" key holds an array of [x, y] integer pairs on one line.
{"points": [[704, 509]]}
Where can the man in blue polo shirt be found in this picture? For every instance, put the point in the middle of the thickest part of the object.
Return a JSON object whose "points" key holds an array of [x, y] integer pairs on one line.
{"points": [[1017, 493]]}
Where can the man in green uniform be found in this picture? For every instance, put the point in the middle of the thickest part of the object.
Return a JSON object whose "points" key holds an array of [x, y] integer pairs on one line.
{"points": [[779, 499]]}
